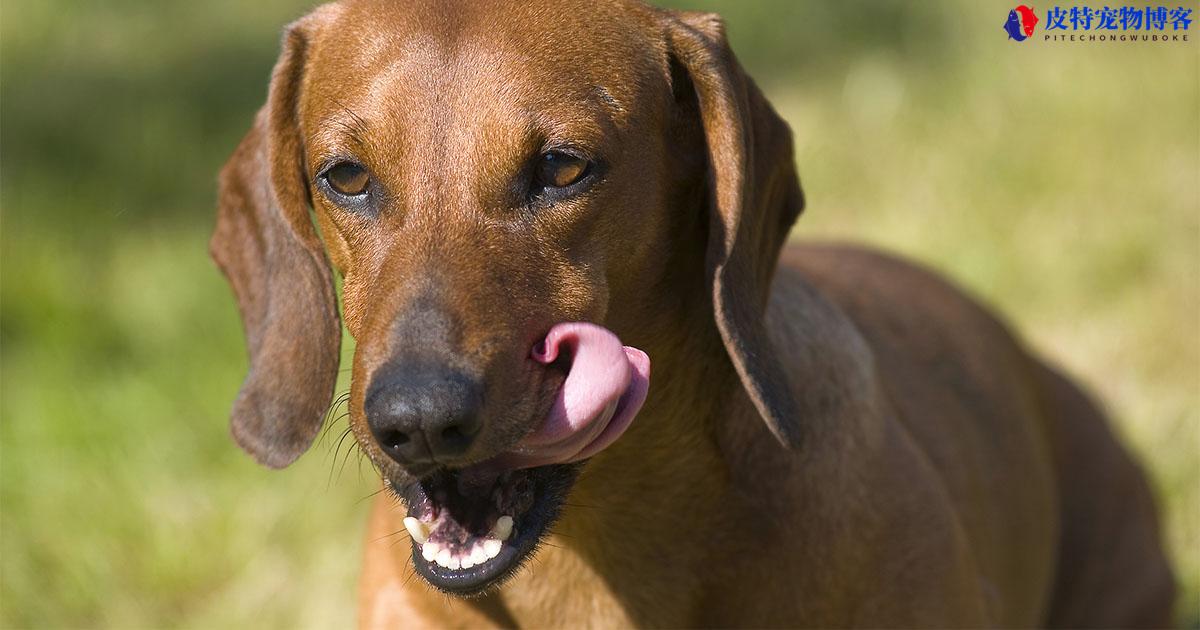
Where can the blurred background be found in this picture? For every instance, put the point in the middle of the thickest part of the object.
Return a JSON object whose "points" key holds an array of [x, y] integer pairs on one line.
{"points": [[1059, 182]]}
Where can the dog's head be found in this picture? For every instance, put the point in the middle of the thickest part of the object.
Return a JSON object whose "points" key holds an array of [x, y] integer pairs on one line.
{"points": [[506, 189]]}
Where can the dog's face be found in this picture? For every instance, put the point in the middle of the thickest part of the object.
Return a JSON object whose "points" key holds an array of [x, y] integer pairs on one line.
{"points": [[479, 180], [483, 174]]}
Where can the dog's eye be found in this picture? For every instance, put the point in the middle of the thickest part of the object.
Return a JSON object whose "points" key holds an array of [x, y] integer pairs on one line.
{"points": [[556, 169], [348, 178]]}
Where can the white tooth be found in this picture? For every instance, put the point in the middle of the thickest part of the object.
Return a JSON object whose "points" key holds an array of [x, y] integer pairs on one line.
{"points": [[466, 563], [478, 555], [429, 551], [503, 528], [416, 529], [443, 557], [454, 563], [491, 547]]}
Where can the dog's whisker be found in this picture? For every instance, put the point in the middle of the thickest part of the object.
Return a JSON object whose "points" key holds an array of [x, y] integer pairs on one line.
{"points": [[381, 489], [333, 461], [329, 424], [346, 457], [355, 451], [357, 126], [338, 447], [412, 572], [386, 536], [341, 399], [329, 420]]}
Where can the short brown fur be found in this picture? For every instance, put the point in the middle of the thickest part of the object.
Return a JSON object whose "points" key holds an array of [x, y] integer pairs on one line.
{"points": [[832, 437]]}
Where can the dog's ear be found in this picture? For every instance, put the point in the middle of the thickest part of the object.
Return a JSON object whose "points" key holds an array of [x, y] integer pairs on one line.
{"points": [[269, 250], [754, 198]]}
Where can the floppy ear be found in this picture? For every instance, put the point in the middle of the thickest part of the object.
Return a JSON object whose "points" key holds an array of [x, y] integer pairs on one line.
{"points": [[754, 199], [266, 245]]}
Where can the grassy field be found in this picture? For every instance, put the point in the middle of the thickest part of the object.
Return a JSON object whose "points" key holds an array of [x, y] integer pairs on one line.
{"points": [[1058, 182]]}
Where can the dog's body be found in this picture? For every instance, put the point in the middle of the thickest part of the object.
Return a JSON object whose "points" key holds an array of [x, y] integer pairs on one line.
{"points": [[981, 489], [833, 439]]}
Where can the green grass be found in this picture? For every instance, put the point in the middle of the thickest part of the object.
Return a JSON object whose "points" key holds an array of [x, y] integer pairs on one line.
{"points": [[1060, 183]]}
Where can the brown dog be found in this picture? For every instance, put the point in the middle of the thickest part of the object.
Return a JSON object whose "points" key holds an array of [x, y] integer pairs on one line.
{"points": [[831, 439]]}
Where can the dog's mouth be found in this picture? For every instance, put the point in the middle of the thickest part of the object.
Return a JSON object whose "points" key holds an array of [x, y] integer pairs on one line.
{"points": [[472, 527], [469, 534]]}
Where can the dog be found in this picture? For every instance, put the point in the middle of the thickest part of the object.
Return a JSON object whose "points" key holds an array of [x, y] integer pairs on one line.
{"points": [[531, 203]]}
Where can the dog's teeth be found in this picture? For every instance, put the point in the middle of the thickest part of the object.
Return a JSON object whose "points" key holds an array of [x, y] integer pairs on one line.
{"points": [[443, 558], [429, 551], [503, 528], [478, 555], [454, 563], [467, 563], [491, 547], [416, 529]]}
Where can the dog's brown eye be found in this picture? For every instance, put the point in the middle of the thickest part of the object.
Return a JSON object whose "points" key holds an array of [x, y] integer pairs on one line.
{"points": [[559, 170], [348, 178]]}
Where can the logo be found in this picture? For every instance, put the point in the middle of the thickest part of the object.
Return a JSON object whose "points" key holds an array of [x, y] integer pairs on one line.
{"points": [[1021, 22], [1107, 24]]}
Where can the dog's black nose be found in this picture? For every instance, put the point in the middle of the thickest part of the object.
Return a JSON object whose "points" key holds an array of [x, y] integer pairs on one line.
{"points": [[421, 414]]}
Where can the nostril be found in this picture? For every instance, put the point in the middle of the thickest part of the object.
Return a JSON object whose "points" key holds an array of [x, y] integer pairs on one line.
{"points": [[454, 435], [393, 439]]}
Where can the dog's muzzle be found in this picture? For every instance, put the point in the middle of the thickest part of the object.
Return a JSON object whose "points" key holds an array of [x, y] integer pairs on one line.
{"points": [[472, 526]]}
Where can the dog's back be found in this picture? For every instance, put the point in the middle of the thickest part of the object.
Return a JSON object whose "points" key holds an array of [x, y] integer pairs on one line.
{"points": [[1060, 519], [1111, 566]]}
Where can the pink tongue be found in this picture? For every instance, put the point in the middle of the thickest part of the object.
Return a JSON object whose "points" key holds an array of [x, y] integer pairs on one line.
{"points": [[603, 391]]}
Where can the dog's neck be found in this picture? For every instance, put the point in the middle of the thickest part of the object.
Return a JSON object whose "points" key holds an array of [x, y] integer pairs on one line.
{"points": [[642, 502]]}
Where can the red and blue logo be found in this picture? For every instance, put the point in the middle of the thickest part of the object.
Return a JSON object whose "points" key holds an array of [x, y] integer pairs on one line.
{"points": [[1021, 22]]}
